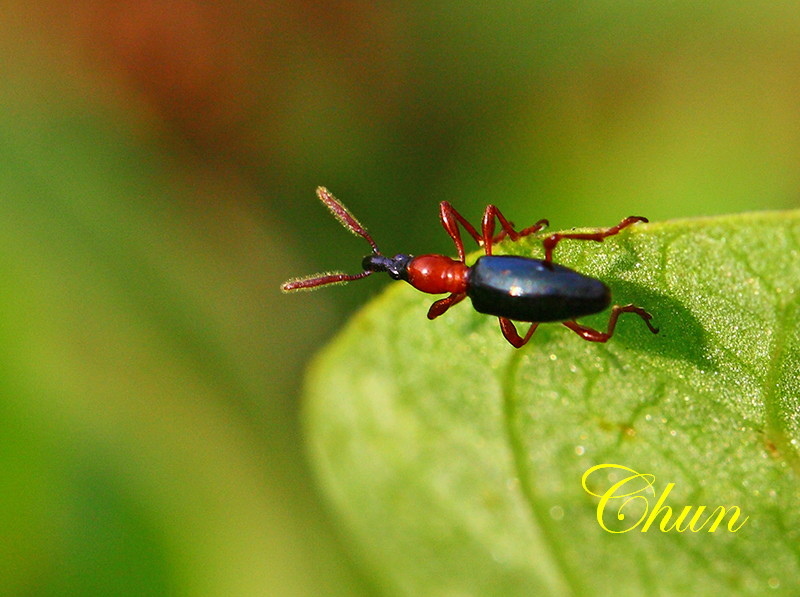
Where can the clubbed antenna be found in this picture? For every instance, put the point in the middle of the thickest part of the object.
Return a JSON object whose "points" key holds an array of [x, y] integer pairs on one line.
{"points": [[347, 220], [344, 216], [316, 280]]}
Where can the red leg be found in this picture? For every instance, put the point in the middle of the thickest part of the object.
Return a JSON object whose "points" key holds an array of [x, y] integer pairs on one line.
{"points": [[450, 220], [510, 332], [444, 304], [488, 223], [551, 241], [524, 232], [593, 335]]}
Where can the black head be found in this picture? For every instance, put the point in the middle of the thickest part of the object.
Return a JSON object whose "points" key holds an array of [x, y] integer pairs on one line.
{"points": [[396, 267]]}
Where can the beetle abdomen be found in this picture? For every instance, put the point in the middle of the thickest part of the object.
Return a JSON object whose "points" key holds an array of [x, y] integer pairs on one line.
{"points": [[526, 289]]}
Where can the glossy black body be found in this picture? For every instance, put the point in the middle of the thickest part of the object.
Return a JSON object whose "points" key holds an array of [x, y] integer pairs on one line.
{"points": [[525, 289]]}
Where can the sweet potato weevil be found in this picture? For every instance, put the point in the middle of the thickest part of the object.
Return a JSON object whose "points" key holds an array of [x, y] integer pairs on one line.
{"points": [[507, 286]]}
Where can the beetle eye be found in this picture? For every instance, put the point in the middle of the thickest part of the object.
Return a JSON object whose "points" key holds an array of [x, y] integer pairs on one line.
{"points": [[398, 270]]}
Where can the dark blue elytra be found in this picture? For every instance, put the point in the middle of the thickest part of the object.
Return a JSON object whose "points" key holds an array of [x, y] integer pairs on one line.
{"points": [[525, 289]]}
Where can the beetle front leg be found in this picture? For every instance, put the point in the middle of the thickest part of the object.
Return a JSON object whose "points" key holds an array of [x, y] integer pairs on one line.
{"points": [[551, 241], [442, 305], [593, 335], [510, 332], [450, 219]]}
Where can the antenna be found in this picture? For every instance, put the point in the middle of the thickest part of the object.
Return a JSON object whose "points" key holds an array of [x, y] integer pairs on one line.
{"points": [[350, 222]]}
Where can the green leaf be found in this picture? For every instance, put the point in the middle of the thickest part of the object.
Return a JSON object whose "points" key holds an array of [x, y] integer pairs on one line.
{"points": [[455, 462]]}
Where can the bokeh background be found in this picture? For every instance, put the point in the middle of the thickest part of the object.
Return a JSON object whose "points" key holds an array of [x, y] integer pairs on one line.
{"points": [[158, 170]]}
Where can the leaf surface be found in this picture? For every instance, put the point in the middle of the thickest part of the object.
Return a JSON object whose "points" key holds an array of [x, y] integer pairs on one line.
{"points": [[455, 462]]}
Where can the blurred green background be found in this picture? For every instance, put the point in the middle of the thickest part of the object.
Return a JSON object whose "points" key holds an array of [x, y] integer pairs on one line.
{"points": [[158, 167]]}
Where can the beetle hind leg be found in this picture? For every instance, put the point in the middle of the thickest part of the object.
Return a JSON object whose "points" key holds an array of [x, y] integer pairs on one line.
{"points": [[551, 241], [510, 332], [593, 335]]}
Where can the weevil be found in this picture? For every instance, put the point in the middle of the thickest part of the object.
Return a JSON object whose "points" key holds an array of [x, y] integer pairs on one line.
{"points": [[510, 287]]}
